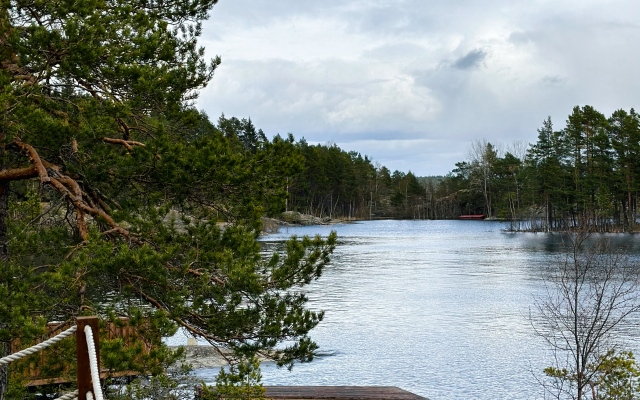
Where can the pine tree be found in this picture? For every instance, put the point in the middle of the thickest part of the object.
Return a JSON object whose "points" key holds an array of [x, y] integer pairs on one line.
{"points": [[113, 188], [624, 131], [545, 160]]}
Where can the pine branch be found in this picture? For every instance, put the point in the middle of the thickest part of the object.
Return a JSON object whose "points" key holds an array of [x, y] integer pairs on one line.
{"points": [[70, 188], [126, 143]]}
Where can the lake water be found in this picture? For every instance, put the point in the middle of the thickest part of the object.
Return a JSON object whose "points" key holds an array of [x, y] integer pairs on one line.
{"points": [[439, 308]]}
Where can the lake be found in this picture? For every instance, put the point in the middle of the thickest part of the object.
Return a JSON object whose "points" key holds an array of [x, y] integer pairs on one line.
{"points": [[439, 308]]}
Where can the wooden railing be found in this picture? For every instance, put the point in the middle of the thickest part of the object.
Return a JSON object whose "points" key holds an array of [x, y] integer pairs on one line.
{"points": [[60, 364]]}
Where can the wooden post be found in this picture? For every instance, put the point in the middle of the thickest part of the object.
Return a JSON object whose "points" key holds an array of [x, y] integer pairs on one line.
{"points": [[84, 369]]}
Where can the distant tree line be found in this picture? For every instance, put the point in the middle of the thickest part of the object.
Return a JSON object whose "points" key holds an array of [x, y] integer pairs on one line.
{"points": [[324, 180], [585, 176], [338, 184]]}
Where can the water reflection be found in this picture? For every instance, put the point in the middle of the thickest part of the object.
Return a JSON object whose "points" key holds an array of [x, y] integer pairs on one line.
{"points": [[439, 308]]}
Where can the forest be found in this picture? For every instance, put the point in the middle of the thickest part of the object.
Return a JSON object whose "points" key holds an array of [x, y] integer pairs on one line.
{"points": [[119, 199], [584, 176]]}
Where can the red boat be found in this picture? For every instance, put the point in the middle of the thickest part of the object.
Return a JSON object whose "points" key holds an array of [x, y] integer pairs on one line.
{"points": [[473, 216]]}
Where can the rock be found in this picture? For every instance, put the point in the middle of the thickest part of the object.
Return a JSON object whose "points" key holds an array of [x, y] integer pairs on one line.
{"points": [[294, 217], [204, 357]]}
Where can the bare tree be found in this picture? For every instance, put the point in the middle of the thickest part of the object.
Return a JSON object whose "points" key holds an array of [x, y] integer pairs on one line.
{"points": [[590, 297], [482, 156], [519, 149]]}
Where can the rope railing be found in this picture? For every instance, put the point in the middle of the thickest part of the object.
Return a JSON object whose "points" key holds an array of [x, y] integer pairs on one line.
{"points": [[38, 347], [88, 384], [93, 363]]}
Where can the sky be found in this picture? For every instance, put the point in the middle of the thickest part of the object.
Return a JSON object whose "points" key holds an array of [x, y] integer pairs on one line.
{"points": [[413, 84]]}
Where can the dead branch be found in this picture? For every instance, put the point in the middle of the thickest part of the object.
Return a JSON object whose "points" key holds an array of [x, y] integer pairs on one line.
{"points": [[89, 88], [100, 202], [89, 200], [99, 198], [82, 225], [81, 206]]}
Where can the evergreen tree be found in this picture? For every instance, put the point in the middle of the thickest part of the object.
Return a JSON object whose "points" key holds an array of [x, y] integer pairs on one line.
{"points": [[244, 131], [112, 189], [584, 135], [624, 131], [545, 161]]}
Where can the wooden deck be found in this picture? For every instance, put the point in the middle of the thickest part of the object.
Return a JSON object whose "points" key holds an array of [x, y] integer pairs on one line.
{"points": [[339, 393]]}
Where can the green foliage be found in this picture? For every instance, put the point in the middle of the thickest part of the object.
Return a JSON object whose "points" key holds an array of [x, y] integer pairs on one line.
{"points": [[243, 381], [118, 199], [614, 376], [618, 376], [335, 183], [176, 386]]}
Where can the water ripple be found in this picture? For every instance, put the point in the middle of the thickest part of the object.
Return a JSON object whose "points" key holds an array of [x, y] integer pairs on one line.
{"points": [[435, 307]]}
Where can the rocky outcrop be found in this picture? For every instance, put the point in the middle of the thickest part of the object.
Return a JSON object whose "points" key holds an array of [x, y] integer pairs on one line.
{"points": [[205, 356], [295, 218]]}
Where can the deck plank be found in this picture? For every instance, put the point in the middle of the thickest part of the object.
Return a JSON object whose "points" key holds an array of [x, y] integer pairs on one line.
{"points": [[339, 393]]}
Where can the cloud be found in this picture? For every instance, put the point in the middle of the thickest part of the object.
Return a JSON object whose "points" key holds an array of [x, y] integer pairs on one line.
{"points": [[414, 82], [553, 80], [472, 59], [328, 98], [520, 38]]}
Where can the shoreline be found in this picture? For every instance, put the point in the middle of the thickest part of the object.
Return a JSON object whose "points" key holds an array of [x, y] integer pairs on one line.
{"points": [[203, 356], [294, 218], [206, 356]]}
